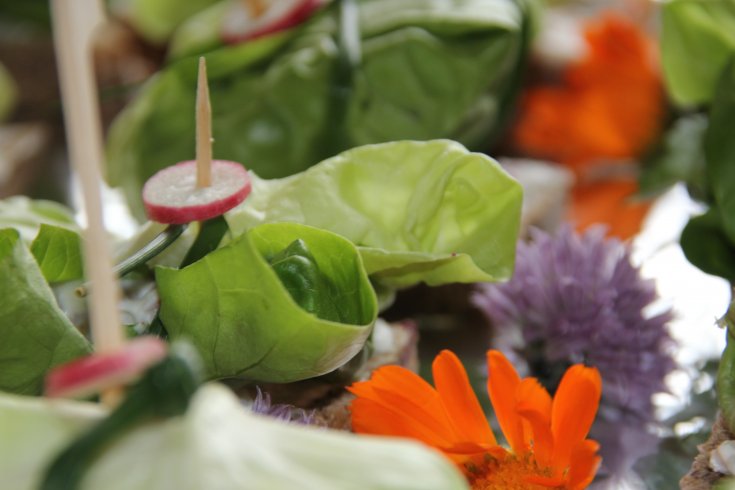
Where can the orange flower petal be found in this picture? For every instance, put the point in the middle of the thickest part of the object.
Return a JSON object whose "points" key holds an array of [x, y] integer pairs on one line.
{"points": [[371, 417], [573, 411], [460, 402], [585, 463], [534, 405], [502, 383], [404, 392]]}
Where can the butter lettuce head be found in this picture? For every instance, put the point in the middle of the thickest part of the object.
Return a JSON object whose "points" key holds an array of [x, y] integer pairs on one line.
{"points": [[236, 310], [421, 70], [216, 445], [698, 37], [418, 211]]}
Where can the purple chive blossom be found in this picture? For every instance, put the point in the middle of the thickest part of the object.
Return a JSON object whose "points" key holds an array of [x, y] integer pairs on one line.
{"points": [[577, 298], [286, 413]]}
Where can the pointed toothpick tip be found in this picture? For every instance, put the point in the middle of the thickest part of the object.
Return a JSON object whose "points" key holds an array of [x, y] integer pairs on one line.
{"points": [[204, 128]]}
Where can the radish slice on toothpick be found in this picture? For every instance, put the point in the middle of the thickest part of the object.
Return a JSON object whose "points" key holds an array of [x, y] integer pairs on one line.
{"points": [[99, 372], [250, 19], [200, 189], [172, 196]]}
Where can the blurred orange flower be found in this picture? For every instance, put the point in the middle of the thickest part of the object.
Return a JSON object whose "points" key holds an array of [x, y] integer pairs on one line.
{"points": [[547, 438], [607, 108]]}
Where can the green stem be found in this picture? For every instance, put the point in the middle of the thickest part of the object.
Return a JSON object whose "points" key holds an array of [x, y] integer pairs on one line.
{"points": [[158, 244]]}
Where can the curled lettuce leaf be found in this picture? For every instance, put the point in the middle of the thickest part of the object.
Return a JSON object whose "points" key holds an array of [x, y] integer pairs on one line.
{"points": [[418, 211], [427, 69], [698, 37], [233, 306], [215, 445], [35, 335]]}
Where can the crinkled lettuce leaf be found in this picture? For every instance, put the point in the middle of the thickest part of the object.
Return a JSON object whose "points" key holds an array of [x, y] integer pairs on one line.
{"points": [[236, 310], [27, 215], [216, 445], [35, 335], [427, 69], [418, 211], [698, 37], [58, 252]]}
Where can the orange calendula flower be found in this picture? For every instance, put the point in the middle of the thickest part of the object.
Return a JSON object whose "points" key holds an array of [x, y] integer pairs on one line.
{"points": [[608, 105], [607, 108], [547, 437]]}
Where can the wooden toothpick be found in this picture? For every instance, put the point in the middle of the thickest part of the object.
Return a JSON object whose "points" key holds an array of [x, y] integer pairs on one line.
{"points": [[74, 23], [204, 128]]}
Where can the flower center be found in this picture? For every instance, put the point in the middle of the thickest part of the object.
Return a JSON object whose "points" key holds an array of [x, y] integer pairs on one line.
{"points": [[508, 473]]}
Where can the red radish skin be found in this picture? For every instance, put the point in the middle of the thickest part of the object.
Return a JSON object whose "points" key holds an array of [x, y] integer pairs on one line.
{"points": [[301, 11], [171, 196], [93, 374]]}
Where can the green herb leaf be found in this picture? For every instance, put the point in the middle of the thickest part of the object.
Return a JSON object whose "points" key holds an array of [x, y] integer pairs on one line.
{"points": [[300, 275], [697, 40], [58, 253], [419, 211], [707, 246], [35, 335], [235, 309], [719, 147]]}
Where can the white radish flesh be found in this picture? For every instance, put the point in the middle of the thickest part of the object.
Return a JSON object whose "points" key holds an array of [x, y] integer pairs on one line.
{"points": [[98, 372], [172, 196]]}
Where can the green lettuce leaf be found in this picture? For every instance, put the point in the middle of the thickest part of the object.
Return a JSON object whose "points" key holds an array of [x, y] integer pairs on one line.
{"points": [[698, 37], [156, 20], [35, 335], [59, 254], [418, 211], [215, 445], [27, 215], [425, 69], [237, 312]]}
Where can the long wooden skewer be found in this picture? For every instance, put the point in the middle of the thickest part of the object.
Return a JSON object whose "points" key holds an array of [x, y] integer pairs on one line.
{"points": [[74, 24], [204, 128]]}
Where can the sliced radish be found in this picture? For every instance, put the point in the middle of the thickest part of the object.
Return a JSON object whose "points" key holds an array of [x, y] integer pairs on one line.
{"points": [[97, 372], [171, 196], [240, 25]]}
